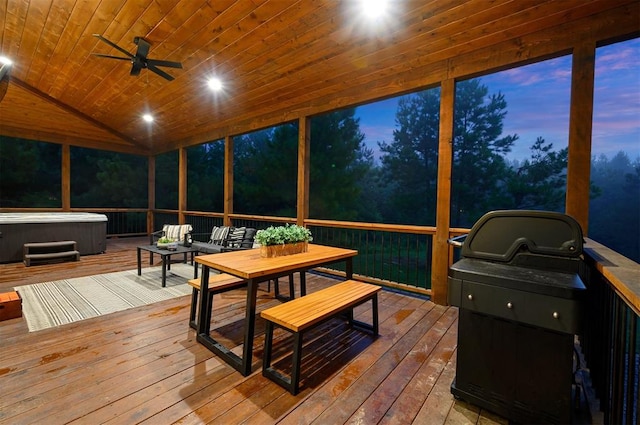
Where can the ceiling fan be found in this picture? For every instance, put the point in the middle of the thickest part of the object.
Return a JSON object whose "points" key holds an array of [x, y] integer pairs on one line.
{"points": [[140, 61]]}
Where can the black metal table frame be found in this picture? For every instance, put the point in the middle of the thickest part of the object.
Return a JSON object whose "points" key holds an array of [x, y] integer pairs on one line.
{"points": [[165, 255], [243, 364]]}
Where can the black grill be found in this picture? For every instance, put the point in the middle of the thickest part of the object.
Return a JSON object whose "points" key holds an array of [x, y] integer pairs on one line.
{"points": [[519, 293]]}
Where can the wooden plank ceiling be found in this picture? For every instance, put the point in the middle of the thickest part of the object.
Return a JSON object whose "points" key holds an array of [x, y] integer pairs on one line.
{"points": [[279, 60]]}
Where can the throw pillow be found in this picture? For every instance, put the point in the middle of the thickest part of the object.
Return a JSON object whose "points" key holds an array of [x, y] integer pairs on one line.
{"points": [[236, 237], [219, 234]]}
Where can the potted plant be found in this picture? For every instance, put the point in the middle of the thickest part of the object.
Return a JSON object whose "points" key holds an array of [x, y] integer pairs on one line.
{"points": [[283, 240], [166, 243]]}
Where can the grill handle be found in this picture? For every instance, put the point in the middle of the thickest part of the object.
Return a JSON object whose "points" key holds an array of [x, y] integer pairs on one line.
{"points": [[457, 241]]}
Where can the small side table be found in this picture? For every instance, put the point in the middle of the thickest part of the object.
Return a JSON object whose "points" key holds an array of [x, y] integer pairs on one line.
{"points": [[165, 254]]}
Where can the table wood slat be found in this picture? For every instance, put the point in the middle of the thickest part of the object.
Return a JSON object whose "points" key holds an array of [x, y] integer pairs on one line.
{"points": [[248, 264]]}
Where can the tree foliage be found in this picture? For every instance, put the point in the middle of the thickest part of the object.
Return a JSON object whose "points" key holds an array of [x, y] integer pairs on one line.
{"points": [[29, 173], [265, 171], [539, 183], [410, 161], [205, 177], [167, 165], [339, 162], [478, 151], [614, 216]]}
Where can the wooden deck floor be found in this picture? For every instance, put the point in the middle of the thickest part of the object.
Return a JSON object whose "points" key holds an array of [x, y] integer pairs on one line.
{"points": [[144, 365]]}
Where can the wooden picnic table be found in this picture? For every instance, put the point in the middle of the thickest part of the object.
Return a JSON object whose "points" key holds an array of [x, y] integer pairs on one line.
{"points": [[249, 265]]}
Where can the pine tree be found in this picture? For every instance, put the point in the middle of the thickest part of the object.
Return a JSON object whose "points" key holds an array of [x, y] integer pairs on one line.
{"points": [[478, 149]]}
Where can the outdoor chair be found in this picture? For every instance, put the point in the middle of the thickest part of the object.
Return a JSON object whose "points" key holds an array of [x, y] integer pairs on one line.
{"points": [[224, 239]]}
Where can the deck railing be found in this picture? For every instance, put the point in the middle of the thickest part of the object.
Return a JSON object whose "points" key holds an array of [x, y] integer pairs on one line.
{"points": [[611, 337], [391, 255]]}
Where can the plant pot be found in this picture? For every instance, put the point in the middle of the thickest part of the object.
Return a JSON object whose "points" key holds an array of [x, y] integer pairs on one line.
{"points": [[171, 246], [270, 251]]}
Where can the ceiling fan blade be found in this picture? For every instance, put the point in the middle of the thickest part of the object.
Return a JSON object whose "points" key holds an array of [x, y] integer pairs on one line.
{"points": [[135, 70], [143, 47], [111, 57], [170, 64], [159, 72], [115, 46]]}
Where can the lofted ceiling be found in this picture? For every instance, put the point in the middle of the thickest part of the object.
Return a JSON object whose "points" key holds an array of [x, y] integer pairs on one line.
{"points": [[279, 60]]}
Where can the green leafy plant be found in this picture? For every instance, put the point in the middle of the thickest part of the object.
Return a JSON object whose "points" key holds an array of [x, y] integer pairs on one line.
{"points": [[280, 235], [164, 240]]}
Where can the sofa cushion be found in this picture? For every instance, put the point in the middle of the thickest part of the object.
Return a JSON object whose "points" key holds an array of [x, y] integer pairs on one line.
{"points": [[249, 235], [176, 232], [207, 248], [219, 234]]}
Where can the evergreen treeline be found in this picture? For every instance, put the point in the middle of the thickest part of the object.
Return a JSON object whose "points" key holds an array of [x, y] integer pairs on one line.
{"points": [[346, 182]]}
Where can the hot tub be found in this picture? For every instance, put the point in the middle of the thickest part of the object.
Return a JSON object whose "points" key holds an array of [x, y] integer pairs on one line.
{"points": [[89, 230]]}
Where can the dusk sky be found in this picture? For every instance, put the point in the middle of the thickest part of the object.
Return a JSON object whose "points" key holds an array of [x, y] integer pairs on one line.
{"points": [[538, 97]]}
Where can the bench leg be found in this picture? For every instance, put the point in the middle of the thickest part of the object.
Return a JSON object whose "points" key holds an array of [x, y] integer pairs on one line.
{"points": [[292, 383], [194, 308], [209, 312], [296, 360], [373, 327], [374, 306], [268, 343]]}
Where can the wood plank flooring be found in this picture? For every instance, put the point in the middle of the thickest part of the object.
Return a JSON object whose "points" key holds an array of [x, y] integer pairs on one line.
{"points": [[144, 365]]}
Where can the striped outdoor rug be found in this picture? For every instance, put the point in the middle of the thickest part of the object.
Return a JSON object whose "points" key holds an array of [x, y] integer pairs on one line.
{"points": [[49, 304]]}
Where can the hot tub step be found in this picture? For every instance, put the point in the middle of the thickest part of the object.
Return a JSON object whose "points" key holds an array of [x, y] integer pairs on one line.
{"points": [[50, 251]]}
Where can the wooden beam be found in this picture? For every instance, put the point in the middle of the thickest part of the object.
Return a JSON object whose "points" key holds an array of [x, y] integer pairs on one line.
{"points": [[440, 259], [182, 184], [151, 191], [76, 113], [304, 164], [66, 177], [580, 125], [228, 180]]}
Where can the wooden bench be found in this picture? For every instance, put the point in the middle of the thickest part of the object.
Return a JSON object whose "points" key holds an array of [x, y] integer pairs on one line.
{"points": [[49, 251], [309, 311], [218, 283]]}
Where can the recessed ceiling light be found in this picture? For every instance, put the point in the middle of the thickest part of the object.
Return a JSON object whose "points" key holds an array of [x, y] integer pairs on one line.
{"points": [[374, 8], [215, 84], [147, 117], [5, 60]]}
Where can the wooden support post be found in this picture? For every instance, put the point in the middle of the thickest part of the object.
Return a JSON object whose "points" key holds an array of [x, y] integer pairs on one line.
{"points": [[66, 177], [182, 184], [440, 259], [580, 127], [228, 180], [304, 161], [151, 190]]}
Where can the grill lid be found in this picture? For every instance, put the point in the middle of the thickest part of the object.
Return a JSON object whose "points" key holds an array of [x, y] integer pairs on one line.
{"points": [[504, 234]]}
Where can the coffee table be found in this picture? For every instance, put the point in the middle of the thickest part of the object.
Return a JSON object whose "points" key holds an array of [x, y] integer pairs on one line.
{"points": [[165, 254]]}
